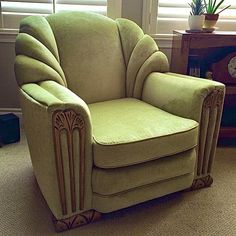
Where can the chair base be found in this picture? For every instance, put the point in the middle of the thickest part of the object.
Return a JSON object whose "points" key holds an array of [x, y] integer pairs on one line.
{"points": [[202, 183], [75, 221], [90, 216]]}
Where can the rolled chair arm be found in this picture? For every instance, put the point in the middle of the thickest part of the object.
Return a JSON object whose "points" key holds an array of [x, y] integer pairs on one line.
{"points": [[193, 98], [58, 128]]}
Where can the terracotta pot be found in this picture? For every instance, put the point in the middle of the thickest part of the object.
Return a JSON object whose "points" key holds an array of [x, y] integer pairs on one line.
{"points": [[196, 22], [210, 20]]}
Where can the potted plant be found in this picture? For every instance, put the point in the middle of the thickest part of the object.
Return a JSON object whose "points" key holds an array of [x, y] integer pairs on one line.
{"points": [[196, 17], [212, 13]]}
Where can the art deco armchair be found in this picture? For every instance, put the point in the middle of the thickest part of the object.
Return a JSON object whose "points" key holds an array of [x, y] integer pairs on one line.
{"points": [[107, 125]]}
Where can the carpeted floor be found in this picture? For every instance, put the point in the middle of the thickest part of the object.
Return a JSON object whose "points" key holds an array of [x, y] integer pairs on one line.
{"points": [[210, 211]]}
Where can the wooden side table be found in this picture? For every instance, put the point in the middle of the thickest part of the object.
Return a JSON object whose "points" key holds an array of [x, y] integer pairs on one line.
{"points": [[198, 54]]}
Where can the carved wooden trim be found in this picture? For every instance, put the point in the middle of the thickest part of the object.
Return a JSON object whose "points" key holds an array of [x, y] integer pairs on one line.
{"points": [[69, 121], [214, 100], [202, 183], [219, 105], [220, 98], [81, 219]]}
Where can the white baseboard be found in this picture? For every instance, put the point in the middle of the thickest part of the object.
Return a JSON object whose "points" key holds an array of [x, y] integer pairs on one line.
{"points": [[16, 111]]}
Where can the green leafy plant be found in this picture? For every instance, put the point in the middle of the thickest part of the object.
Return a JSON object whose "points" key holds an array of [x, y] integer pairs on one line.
{"points": [[197, 7], [213, 5]]}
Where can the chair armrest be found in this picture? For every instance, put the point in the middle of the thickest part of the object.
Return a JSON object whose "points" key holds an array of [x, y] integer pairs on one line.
{"points": [[58, 128], [193, 98]]}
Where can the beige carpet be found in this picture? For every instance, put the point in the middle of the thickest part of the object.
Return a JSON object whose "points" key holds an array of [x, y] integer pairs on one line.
{"points": [[210, 211]]}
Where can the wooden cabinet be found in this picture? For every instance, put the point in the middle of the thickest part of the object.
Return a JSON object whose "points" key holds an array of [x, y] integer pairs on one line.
{"points": [[208, 55]]}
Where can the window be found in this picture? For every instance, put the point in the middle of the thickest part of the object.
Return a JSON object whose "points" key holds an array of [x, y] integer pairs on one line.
{"points": [[99, 6], [173, 14], [12, 11]]}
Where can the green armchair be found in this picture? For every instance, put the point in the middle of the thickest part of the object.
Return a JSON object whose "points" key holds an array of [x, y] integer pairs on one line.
{"points": [[107, 125]]}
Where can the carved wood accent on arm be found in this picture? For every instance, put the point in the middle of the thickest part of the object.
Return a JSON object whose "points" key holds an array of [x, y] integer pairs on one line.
{"points": [[208, 135], [69, 121], [83, 218]]}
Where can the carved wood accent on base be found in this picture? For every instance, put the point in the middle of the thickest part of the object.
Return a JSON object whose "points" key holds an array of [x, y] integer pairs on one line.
{"points": [[75, 221], [202, 183]]}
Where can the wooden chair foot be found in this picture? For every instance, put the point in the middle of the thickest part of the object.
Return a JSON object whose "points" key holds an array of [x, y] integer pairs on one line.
{"points": [[202, 183], [72, 222]]}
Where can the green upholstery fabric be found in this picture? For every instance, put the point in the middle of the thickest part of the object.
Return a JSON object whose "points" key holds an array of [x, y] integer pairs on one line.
{"points": [[24, 45], [117, 180], [91, 56], [134, 196], [34, 71], [38, 28], [42, 159], [130, 34], [129, 131], [142, 51], [181, 95], [38, 103], [37, 55], [142, 56], [156, 62]]}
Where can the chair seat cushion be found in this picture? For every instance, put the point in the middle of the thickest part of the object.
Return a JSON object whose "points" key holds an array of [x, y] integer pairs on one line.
{"points": [[129, 131], [113, 181]]}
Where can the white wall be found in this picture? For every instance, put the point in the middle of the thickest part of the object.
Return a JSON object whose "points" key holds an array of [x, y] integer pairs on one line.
{"points": [[132, 9]]}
